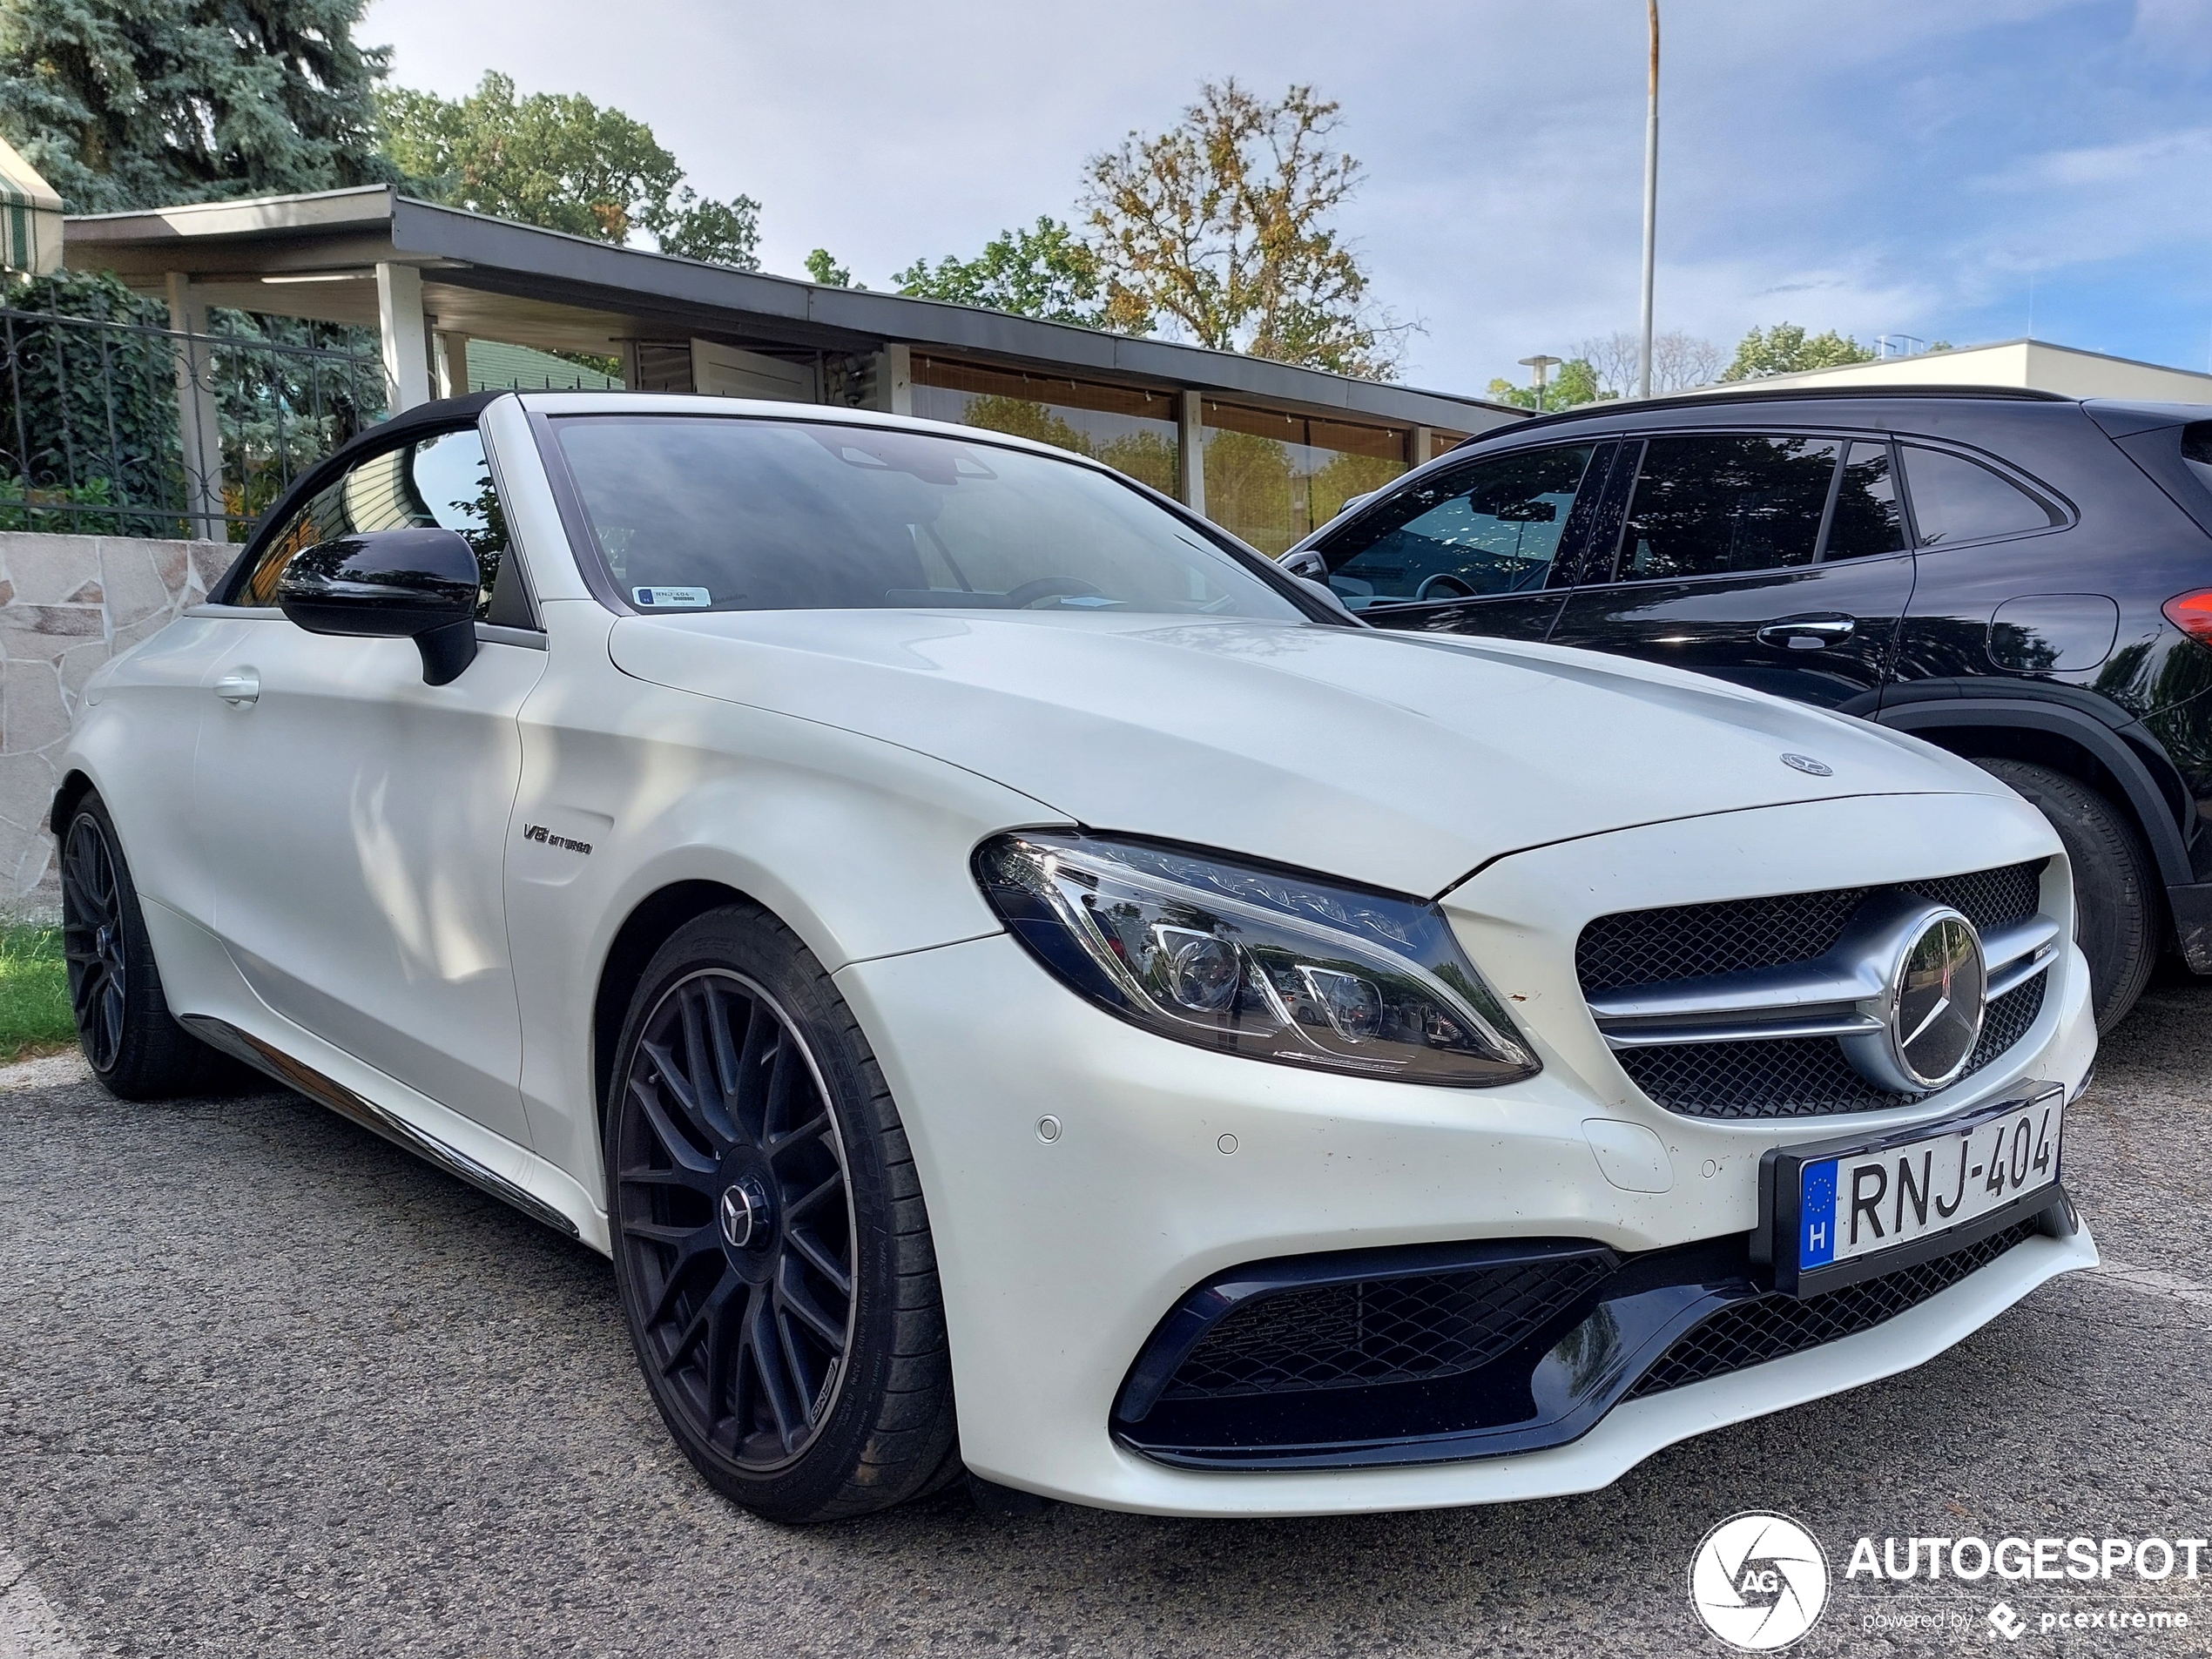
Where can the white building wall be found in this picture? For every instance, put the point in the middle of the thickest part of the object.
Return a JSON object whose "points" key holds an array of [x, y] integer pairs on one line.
{"points": [[2034, 364]]}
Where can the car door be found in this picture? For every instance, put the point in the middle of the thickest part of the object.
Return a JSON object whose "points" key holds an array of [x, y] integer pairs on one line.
{"points": [[352, 821], [1485, 547], [1777, 560]]}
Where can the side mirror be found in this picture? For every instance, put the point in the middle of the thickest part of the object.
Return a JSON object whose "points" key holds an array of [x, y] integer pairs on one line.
{"points": [[1322, 591], [1306, 564], [418, 584]]}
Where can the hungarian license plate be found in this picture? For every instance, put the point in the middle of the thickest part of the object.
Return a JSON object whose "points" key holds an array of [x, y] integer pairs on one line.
{"points": [[1845, 1210]]}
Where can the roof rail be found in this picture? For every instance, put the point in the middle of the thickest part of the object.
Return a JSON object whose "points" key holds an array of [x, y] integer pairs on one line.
{"points": [[1753, 393]]}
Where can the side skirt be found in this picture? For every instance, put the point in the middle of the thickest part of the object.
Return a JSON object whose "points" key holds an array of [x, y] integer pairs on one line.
{"points": [[274, 1062]]}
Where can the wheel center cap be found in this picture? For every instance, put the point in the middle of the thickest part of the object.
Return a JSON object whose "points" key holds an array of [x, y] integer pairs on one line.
{"points": [[743, 1214]]}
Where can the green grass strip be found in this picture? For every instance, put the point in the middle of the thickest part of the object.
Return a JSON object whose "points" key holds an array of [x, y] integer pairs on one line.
{"points": [[34, 993]]}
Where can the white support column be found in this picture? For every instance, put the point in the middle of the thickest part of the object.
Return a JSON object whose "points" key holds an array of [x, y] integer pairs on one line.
{"points": [[197, 425], [1192, 445], [631, 373], [452, 355], [1423, 440], [894, 372], [406, 338]]}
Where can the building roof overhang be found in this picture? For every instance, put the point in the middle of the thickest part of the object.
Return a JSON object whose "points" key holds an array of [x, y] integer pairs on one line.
{"points": [[315, 256]]}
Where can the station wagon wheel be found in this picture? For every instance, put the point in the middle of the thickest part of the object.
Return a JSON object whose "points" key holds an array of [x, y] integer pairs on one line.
{"points": [[769, 1240], [92, 941]]}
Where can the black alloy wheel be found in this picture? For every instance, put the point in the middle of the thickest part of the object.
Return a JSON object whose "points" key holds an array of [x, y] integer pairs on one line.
{"points": [[772, 1249], [135, 1048], [738, 1221], [93, 941]]}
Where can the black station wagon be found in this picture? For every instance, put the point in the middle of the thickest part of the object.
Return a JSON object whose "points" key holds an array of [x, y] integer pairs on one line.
{"points": [[2021, 578]]}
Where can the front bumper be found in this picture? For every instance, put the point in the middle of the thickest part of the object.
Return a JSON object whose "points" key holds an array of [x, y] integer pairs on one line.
{"points": [[1166, 1165]]}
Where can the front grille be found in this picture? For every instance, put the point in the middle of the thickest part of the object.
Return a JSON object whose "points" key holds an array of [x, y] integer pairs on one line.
{"points": [[1750, 1333], [1687, 941], [1417, 1327], [1790, 1076], [1799, 1076]]}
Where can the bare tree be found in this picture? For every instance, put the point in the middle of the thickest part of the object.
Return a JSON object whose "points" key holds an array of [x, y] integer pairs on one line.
{"points": [[1612, 358], [1680, 361], [1221, 226]]}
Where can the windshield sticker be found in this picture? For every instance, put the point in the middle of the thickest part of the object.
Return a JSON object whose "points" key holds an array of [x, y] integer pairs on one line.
{"points": [[671, 598]]}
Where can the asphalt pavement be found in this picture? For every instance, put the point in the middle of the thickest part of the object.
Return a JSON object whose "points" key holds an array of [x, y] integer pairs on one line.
{"points": [[268, 1386]]}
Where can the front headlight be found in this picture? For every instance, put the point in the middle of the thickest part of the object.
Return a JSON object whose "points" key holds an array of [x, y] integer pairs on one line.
{"points": [[1274, 965]]}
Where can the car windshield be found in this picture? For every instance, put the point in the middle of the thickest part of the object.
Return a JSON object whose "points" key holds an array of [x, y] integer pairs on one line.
{"points": [[716, 512]]}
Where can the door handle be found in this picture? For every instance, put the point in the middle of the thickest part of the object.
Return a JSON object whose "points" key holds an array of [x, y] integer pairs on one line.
{"points": [[240, 688], [1808, 633]]}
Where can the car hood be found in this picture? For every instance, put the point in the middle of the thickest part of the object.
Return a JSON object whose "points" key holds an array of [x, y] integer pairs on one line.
{"points": [[1401, 760]]}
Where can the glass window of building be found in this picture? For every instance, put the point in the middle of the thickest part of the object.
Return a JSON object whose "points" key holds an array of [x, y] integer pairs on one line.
{"points": [[1274, 478], [1132, 430]]}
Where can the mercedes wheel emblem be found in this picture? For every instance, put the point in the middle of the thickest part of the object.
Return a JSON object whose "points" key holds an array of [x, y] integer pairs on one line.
{"points": [[739, 1213]]}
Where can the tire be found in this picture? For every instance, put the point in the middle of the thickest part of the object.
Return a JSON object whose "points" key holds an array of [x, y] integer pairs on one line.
{"points": [[736, 1210], [2119, 910], [133, 1044]]}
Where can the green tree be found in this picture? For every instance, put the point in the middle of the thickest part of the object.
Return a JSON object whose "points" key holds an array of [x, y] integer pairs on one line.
{"points": [[1021, 417], [827, 271], [143, 103], [1145, 456], [1577, 384], [1046, 272], [1786, 349], [559, 160], [1250, 488], [1222, 225]]}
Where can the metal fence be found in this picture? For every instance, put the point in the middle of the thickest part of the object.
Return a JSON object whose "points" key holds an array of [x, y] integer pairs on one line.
{"points": [[123, 428]]}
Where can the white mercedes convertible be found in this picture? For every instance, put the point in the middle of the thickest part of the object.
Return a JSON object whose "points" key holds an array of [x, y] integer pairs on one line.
{"points": [[1022, 988]]}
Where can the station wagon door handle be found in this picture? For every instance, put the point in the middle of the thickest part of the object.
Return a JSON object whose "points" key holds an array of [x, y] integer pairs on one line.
{"points": [[1808, 633], [240, 688]]}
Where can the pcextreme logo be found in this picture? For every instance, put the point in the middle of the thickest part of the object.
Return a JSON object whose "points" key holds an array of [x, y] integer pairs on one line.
{"points": [[1759, 1581]]}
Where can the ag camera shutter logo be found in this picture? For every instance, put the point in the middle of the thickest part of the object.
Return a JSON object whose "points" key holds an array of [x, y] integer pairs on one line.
{"points": [[1759, 1581]]}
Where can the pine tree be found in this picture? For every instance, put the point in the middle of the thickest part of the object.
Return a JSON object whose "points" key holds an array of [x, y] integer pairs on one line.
{"points": [[143, 103]]}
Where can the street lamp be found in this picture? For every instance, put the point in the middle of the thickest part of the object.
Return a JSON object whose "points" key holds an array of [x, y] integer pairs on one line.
{"points": [[1542, 365], [1650, 200]]}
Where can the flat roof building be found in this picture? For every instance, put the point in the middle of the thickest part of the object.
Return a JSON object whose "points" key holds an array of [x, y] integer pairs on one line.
{"points": [[2036, 365], [1266, 450]]}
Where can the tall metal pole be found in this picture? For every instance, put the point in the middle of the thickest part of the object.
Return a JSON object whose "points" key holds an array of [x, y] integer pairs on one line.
{"points": [[1650, 200]]}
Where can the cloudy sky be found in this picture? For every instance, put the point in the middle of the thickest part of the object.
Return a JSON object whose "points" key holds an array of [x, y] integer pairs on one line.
{"points": [[1953, 169]]}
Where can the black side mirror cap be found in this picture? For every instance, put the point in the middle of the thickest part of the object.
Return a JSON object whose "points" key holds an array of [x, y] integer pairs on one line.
{"points": [[419, 584]]}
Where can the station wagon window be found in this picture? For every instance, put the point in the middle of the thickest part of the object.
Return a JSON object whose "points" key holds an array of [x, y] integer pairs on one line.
{"points": [[1495, 527], [443, 481], [1709, 505], [1958, 500], [1868, 518]]}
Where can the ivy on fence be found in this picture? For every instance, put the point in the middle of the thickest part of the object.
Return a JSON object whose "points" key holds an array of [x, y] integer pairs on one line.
{"points": [[92, 432]]}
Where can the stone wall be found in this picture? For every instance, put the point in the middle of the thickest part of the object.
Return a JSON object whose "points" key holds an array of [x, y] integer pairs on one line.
{"points": [[67, 604]]}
